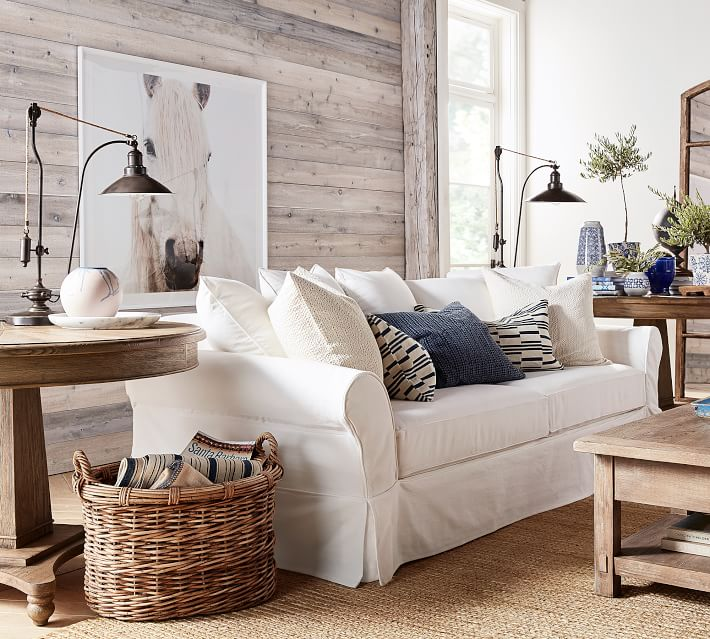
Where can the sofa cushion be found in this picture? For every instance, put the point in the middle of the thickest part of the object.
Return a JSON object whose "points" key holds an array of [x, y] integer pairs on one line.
{"points": [[376, 291], [236, 318], [542, 274], [465, 422], [581, 394], [574, 338], [460, 346], [271, 281], [316, 323], [408, 370], [469, 287], [437, 292]]}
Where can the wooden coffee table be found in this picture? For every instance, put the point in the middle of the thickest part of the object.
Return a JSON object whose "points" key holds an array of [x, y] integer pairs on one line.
{"points": [[663, 460]]}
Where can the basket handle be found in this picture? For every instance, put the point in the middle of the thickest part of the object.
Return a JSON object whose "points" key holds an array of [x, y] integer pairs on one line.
{"points": [[82, 471], [273, 458]]}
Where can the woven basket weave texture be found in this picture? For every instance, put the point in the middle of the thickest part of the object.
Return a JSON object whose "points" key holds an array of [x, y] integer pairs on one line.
{"points": [[165, 554]]}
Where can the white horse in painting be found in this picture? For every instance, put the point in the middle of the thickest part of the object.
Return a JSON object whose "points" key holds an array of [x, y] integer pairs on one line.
{"points": [[178, 237]]}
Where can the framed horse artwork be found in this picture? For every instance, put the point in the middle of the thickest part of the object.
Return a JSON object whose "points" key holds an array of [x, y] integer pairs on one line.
{"points": [[203, 135]]}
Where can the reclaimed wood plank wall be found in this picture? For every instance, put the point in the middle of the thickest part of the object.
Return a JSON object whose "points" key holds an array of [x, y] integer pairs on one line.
{"points": [[335, 140]]}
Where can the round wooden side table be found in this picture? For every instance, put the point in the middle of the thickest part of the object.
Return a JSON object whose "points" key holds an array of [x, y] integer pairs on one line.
{"points": [[31, 547]]}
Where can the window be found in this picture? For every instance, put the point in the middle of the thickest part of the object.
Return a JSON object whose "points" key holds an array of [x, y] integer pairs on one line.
{"points": [[478, 109]]}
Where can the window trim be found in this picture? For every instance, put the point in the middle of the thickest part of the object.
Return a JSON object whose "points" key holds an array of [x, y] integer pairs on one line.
{"points": [[509, 110]]}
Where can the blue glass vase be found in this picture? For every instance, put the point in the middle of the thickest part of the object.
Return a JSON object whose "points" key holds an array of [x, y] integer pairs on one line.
{"points": [[661, 275]]}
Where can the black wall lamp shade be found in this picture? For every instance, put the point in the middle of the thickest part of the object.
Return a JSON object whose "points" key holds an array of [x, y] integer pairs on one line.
{"points": [[555, 194], [135, 179]]}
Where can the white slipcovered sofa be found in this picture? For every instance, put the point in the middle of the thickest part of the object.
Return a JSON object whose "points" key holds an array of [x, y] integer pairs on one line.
{"points": [[372, 483]]}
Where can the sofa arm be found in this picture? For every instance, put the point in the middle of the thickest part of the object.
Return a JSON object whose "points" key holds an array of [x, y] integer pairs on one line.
{"points": [[334, 424], [639, 347]]}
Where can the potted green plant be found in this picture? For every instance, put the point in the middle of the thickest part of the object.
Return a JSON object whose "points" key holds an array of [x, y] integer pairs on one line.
{"points": [[611, 160], [688, 225], [633, 267]]}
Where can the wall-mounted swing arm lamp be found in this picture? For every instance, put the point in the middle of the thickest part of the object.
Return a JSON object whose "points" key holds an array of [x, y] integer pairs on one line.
{"points": [[135, 180], [553, 194]]}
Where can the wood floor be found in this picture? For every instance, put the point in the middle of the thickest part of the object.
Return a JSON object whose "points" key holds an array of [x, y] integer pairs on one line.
{"points": [[69, 602]]}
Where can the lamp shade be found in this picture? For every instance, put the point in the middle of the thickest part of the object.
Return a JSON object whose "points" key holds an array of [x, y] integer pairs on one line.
{"points": [[554, 192], [135, 179]]}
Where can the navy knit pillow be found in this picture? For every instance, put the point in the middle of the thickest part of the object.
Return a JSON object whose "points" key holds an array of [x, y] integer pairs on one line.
{"points": [[460, 346]]}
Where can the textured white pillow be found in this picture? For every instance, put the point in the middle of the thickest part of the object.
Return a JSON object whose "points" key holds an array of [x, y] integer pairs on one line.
{"points": [[376, 291], [574, 338], [271, 281], [236, 318], [320, 276], [543, 275], [314, 322]]}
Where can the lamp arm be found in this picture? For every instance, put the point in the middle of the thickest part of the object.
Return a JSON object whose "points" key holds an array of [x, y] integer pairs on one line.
{"points": [[552, 165], [525, 155], [131, 141]]}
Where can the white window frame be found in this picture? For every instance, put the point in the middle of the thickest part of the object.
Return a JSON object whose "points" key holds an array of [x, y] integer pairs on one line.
{"points": [[506, 18]]}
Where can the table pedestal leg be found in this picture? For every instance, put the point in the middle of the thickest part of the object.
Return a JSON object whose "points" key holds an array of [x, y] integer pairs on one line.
{"points": [[665, 379], [31, 547]]}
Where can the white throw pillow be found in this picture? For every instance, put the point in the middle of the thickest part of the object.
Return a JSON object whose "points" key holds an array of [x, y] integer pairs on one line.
{"points": [[236, 318], [574, 337], [271, 281], [542, 275], [376, 291], [314, 322], [437, 292]]}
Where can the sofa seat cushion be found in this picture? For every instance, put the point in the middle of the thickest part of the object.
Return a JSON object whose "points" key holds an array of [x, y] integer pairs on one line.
{"points": [[464, 422], [581, 394]]}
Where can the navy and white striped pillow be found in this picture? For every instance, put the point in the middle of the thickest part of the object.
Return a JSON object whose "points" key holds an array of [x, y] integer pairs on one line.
{"points": [[408, 369], [524, 337]]}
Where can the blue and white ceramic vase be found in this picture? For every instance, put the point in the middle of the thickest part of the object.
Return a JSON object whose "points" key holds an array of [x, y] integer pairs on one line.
{"points": [[661, 275], [636, 284], [590, 249], [700, 265]]}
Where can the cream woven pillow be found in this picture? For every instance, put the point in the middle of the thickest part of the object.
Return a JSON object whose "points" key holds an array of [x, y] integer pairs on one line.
{"points": [[574, 337], [317, 323]]}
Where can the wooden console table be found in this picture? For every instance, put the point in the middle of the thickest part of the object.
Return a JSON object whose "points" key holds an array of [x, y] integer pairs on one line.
{"points": [[654, 311], [31, 546]]}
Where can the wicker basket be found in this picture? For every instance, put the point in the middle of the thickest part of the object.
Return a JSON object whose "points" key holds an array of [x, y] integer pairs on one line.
{"points": [[164, 554]]}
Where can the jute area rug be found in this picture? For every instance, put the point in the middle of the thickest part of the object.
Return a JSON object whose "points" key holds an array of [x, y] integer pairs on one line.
{"points": [[531, 579]]}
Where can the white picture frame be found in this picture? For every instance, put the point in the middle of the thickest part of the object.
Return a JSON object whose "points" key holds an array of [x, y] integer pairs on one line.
{"points": [[208, 129]]}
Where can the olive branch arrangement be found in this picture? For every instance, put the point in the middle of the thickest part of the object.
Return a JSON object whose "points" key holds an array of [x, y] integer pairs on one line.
{"points": [[612, 160], [689, 220]]}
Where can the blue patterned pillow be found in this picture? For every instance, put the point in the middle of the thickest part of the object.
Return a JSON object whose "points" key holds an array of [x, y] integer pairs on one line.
{"points": [[460, 346]]}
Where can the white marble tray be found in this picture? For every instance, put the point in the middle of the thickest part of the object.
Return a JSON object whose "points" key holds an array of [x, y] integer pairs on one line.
{"points": [[120, 320]]}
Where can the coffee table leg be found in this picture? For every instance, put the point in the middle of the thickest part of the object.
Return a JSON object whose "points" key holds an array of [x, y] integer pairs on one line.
{"points": [[607, 528]]}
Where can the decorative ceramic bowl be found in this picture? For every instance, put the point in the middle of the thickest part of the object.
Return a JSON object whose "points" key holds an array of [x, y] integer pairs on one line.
{"points": [[91, 292], [636, 284]]}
